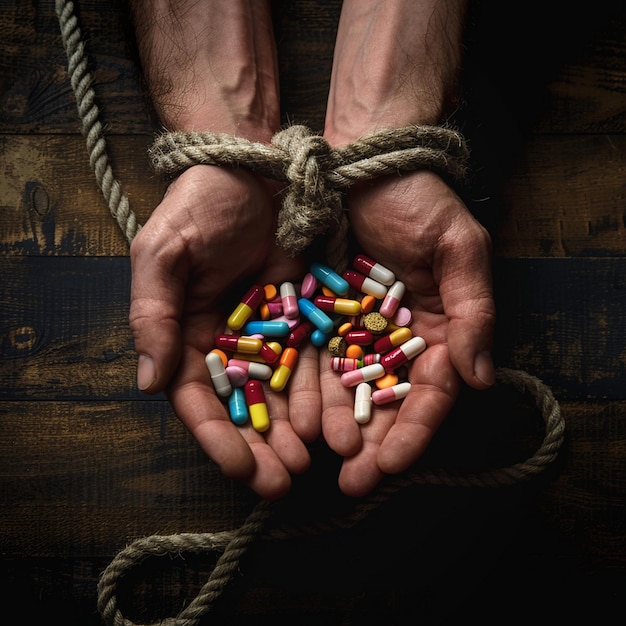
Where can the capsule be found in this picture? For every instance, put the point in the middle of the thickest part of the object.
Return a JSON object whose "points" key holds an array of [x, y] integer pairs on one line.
{"points": [[374, 270], [269, 328], [319, 338], [220, 379], [289, 300], [342, 306], [315, 315], [389, 394], [359, 337], [363, 283], [403, 353], [391, 301], [270, 352], [393, 339], [255, 399], [283, 371], [362, 375], [233, 343], [363, 403], [248, 304], [237, 407], [301, 332], [330, 279], [270, 310], [261, 371]]}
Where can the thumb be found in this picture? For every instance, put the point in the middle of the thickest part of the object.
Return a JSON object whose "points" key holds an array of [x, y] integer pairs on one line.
{"points": [[155, 309]]}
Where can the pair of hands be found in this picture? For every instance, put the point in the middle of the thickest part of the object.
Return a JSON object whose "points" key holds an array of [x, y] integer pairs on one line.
{"points": [[214, 231]]}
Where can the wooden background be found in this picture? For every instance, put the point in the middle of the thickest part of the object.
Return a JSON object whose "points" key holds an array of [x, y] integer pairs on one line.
{"points": [[89, 464]]}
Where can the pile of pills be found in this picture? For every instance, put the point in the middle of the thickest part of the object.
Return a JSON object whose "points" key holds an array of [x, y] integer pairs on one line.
{"points": [[367, 337]]}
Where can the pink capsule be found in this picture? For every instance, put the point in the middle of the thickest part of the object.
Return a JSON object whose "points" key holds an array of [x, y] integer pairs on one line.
{"points": [[389, 394], [362, 375], [391, 302], [237, 376], [403, 353], [289, 300]]}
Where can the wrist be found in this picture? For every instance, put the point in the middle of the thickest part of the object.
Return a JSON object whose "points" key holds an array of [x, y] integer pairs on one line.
{"points": [[396, 64], [210, 65]]}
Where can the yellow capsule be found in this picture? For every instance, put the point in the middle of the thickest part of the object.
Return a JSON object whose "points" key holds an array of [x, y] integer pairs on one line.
{"points": [[255, 399]]}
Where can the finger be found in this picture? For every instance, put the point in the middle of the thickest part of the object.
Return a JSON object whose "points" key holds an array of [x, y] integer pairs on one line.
{"points": [[435, 386], [467, 296], [305, 398], [282, 438], [340, 429]]}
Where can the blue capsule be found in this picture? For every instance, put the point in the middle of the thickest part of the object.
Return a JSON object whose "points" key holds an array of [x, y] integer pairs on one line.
{"points": [[237, 407], [269, 328], [330, 278], [315, 315]]}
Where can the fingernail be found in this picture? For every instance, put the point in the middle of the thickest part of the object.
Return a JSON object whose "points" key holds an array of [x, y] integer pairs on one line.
{"points": [[483, 368], [146, 373]]}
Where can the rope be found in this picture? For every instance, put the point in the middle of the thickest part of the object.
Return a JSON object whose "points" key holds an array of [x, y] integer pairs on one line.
{"points": [[89, 115], [317, 176], [233, 544]]}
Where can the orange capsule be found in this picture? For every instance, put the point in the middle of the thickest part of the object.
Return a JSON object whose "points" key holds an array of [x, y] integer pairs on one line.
{"points": [[286, 365]]}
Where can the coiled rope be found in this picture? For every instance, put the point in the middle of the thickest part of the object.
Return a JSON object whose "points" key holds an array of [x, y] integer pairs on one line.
{"points": [[316, 177]]}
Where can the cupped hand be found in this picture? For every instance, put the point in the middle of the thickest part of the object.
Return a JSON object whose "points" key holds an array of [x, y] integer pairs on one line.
{"points": [[419, 228], [211, 238]]}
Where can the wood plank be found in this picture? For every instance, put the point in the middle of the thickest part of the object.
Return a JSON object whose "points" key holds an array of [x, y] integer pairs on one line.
{"points": [[50, 203], [35, 92], [83, 479], [563, 320], [65, 328], [565, 198]]}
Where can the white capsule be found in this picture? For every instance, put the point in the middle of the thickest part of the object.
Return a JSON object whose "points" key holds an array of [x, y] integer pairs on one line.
{"points": [[363, 403], [220, 379]]}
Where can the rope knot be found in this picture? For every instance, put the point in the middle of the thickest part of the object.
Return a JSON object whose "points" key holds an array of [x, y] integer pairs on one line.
{"points": [[310, 204]]}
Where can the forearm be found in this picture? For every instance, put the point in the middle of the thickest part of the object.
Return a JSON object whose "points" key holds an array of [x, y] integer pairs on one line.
{"points": [[210, 64], [396, 63]]}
